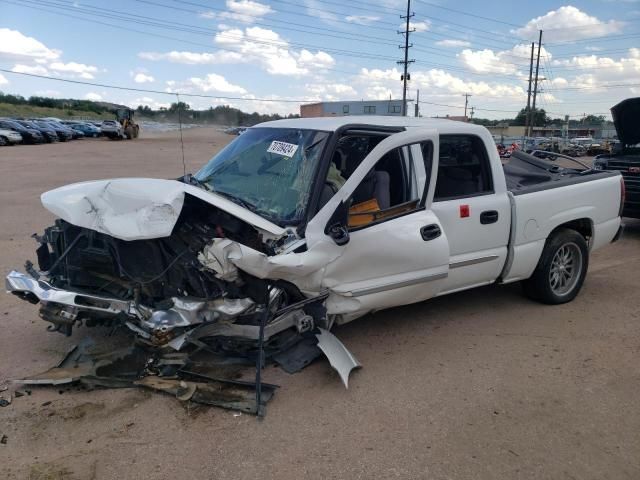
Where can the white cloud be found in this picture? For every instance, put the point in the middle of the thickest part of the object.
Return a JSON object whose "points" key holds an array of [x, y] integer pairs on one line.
{"points": [[505, 61], [15, 46], [143, 78], [193, 58], [79, 69], [32, 69], [255, 45], [362, 19], [266, 47], [594, 71], [453, 43], [3, 80], [212, 82], [32, 56], [567, 23], [245, 11], [331, 91], [422, 26], [317, 10], [593, 49], [377, 84], [486, 61], [315, 60], [559, 82], [93, 96]]}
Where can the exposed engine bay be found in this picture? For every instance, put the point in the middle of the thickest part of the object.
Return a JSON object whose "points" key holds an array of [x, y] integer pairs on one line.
{"points": [[161, 290]]}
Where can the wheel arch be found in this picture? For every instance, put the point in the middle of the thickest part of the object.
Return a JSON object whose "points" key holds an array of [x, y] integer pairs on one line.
{"points": [[584, 226]]}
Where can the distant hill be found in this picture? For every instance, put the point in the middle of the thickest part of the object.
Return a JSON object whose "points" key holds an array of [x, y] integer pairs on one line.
{"points": [[19, 106], [28, 111]]}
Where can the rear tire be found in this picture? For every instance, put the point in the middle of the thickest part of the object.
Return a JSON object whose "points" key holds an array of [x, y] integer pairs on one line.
{"points": [[561, 270]]}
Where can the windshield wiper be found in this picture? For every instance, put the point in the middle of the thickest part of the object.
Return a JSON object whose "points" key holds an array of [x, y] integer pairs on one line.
{"points": [[238, 200], [191, 180]]}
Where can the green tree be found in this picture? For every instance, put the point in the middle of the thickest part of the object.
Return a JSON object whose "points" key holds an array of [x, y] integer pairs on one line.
{"points": [[176, 106], [594, 119], [539, 117]]}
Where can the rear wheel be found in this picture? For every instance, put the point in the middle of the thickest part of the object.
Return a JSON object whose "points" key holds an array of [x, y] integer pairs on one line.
{"points": [[561, 270], [3, 141]]}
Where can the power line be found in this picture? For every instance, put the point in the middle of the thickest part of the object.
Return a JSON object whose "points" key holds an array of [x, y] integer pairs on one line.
{"points": [[191, 29], [314, 17], [357, 36], [473, 15], [360, 37], [227, 49], [349, 53], [288, 23], [338, 52], [601, 38], [160, 92]]}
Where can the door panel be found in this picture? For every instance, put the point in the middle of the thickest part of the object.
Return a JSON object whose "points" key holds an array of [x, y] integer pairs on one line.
{"points": [[478, 250], [390, 264], [387, 263]]}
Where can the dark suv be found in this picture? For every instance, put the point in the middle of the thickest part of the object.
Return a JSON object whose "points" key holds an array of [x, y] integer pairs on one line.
{"points": [[64, 134], [626, 155], [49, 134], [29, 135]]}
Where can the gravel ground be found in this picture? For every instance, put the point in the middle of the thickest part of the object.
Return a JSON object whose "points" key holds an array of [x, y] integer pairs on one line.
{"points": [[478, 385]]}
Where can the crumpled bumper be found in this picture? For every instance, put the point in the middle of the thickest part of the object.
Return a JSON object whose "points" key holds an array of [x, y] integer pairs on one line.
{"points": [[34, 290], [156, 326]]}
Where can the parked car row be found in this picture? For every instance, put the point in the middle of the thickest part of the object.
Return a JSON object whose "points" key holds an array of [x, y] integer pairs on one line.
{"points": [[45, 130], [575, 147]]}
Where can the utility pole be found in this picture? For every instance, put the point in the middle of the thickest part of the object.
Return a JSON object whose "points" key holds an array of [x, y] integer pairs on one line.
{"points": [[406, 60], [535, 85], [472, 109], [417, 112], [466, 102], [527, 116]]}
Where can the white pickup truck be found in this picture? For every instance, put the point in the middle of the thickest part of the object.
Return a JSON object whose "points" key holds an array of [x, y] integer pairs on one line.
{"points": [[301, 224]]}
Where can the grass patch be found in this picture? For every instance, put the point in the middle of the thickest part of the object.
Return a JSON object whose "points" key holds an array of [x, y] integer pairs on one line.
{"points": [[27, 111]]}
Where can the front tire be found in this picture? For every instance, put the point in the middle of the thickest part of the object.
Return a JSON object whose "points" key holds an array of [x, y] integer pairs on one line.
{"points": [[561, 270]]}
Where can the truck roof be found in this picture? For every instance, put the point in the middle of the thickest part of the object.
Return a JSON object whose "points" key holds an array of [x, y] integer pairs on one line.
{"points": [[331, 124]]}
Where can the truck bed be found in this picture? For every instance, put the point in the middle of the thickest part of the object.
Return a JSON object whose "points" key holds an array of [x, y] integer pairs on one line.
{"points": [[525, 173]]}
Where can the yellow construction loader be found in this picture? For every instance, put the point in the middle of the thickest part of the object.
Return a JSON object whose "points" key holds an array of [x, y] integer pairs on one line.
{"points": [[122, 127]]}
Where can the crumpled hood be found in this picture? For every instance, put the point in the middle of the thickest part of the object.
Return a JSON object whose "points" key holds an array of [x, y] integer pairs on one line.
{"points": [[626, 118], [137, 208]]}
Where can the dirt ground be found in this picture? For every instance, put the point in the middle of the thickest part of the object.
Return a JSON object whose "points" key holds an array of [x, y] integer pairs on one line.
{"points": [[478, 385]]}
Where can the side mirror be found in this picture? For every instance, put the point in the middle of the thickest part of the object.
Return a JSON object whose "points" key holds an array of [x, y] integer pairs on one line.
{"points": [[338, 225]]}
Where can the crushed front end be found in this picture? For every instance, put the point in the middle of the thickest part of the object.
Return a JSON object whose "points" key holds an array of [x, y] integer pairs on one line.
{"points": [[165, 289]]}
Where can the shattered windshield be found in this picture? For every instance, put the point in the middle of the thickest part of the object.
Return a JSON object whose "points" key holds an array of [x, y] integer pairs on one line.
{"points": [[267, 170]]}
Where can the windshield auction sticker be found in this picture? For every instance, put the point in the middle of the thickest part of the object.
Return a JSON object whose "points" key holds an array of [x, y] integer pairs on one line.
{"points": [[282, 148]]}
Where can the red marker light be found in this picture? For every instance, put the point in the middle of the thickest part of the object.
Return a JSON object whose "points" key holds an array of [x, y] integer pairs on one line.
{"points": [[464, 211]]}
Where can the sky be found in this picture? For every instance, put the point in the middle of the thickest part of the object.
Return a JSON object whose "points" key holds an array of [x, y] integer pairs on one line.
{"points": [[271, 55]]}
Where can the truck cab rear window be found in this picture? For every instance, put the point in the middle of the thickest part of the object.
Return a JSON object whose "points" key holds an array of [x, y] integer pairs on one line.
{"points": [[463, 168]]}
